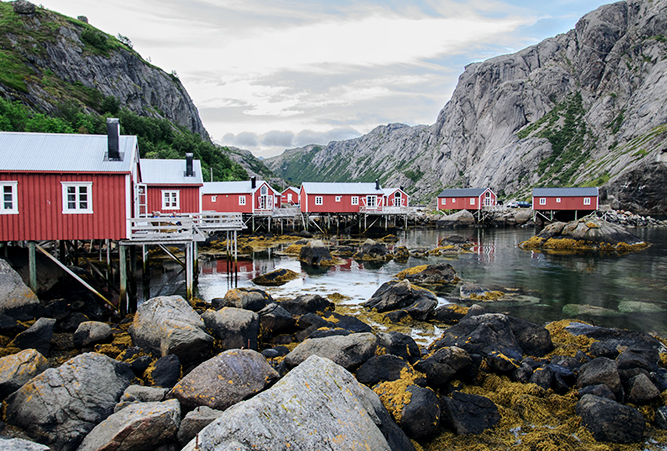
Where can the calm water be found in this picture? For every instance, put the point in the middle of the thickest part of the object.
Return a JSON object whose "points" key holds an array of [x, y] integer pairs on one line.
{"points": [[628, 291]]}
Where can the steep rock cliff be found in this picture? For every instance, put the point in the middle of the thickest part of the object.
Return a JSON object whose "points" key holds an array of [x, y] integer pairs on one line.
{"points": [[48, 58], [587, 107]]}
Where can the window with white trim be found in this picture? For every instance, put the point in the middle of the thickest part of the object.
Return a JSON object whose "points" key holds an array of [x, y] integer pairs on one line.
{"points": [[171, 200], [77, 197], [587, 200], [338, 198], [289, 197], [444, 201], [355, 200], [10, 204], [371, 201], [319, 200], [453, 201], [241, 200], [472, 201], [543, 200], [558, 200]]}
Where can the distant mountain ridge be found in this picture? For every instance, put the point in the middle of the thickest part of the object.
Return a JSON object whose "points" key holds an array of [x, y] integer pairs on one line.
{"points": [[584, 108]]}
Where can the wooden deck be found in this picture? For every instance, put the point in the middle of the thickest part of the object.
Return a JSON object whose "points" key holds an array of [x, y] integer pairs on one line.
{"points": [[383, 210], [168, 229]]}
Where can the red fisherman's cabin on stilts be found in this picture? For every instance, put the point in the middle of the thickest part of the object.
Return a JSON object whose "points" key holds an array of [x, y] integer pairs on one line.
{"points": [[171, 186], [67, 186], [466, 199]]}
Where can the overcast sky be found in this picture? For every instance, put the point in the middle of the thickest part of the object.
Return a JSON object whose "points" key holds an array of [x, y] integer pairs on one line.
{"points": [[268, 75]]}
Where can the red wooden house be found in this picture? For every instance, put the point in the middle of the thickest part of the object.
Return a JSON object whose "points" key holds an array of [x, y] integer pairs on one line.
{"points": [[291, 196], [248, 196], [559, 199], [340, 197], [67, 186], [171, 186], [396, 197], [466, 199]]}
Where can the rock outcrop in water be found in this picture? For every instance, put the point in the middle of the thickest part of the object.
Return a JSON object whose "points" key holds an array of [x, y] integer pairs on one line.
{"points": [[540, 116]]}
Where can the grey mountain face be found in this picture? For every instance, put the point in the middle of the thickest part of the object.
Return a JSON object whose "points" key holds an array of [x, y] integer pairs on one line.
{"points": [[585, 107], [55, 49]]}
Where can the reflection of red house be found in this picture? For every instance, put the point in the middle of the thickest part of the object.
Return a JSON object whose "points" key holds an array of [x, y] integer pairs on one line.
{"points": [[396, 197], [466, 199], [290, 196], [248, 196], [172, 186], [67, 186], [222, 266], [340, 197], [559, 199]]}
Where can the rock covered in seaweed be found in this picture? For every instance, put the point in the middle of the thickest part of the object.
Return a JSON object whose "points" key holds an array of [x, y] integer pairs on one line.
{"points": [[275, 278], [589, 233], [395, 295], [318, 405]]}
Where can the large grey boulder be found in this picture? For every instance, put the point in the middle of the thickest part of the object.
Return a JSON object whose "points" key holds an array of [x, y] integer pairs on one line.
{"points": [[14, 293], [274, 319], [443, 365], [224, 380], [349, 351], [245, 298], [315, 253], [62, 405], [461, 218], [234, 328], [23, 7], [395, 295], [307, 303], [17, 369], [601, 371], [610, 421], [18, 444], [140, 394], [139, 427], [91, 332], [469, 414], [169, 325], [38, 336], [195, 421], [318, 405]]}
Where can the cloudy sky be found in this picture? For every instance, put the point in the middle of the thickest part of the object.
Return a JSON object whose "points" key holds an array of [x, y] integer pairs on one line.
{"points": [[267, 75]]}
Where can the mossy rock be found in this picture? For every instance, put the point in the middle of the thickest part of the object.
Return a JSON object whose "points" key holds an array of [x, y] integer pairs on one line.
{"points": [[276, 278]]}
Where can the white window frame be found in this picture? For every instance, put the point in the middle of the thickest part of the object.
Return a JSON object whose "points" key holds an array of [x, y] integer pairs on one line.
{"points": [[373, 203], [558, 200], [289, 197], [77, 202], [13, 192], [587, 200], [472, 201], [242, 200], [339, 198], [319, 200], [173, 195], [543, 200], [355, 200], [454, 200]]}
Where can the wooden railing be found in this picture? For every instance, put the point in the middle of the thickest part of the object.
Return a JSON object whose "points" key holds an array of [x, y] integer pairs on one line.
{"points": [[185, 227], [385, 210]]}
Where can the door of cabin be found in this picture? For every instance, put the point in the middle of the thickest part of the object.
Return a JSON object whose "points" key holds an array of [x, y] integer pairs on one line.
{"points": [[140, 201]]}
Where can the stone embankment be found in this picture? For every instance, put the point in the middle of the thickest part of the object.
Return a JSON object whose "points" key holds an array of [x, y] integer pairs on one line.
{"points": [[249, 372]]}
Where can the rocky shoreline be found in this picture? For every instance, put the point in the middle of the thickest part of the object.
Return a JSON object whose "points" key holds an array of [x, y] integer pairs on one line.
{"points": [[249, 372]]}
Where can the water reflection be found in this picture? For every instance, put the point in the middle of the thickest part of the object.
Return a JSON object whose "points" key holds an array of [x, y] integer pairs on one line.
{"points": [[628, 291]]}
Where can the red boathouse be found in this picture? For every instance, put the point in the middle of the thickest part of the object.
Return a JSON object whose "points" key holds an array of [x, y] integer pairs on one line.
{"points": [[466, 199], [248, 196], [171, 186], [396, 197], [565, 199], [67, 186], [323, 197], [291, 196]]}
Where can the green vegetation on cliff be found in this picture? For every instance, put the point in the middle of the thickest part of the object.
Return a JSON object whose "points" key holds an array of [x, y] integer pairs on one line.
{"points": [[158, 138]]}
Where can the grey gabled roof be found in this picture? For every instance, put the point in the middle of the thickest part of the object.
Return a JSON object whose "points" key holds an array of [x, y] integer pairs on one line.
{"points": [[462, 192], [340, 188], [564, 192], [169, 172], [60, 152]]}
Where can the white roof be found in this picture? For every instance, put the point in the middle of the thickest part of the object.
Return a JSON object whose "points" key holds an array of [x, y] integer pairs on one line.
{"points": [[340, 188], [293, 188], [61, 152], [169, 172], [242, 187]]}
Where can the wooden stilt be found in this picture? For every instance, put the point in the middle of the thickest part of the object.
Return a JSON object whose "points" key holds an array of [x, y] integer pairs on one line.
{"points": [[32, 266], [145, 272], [109, 270], [132, 299], [189, 291], [122, 264]]}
